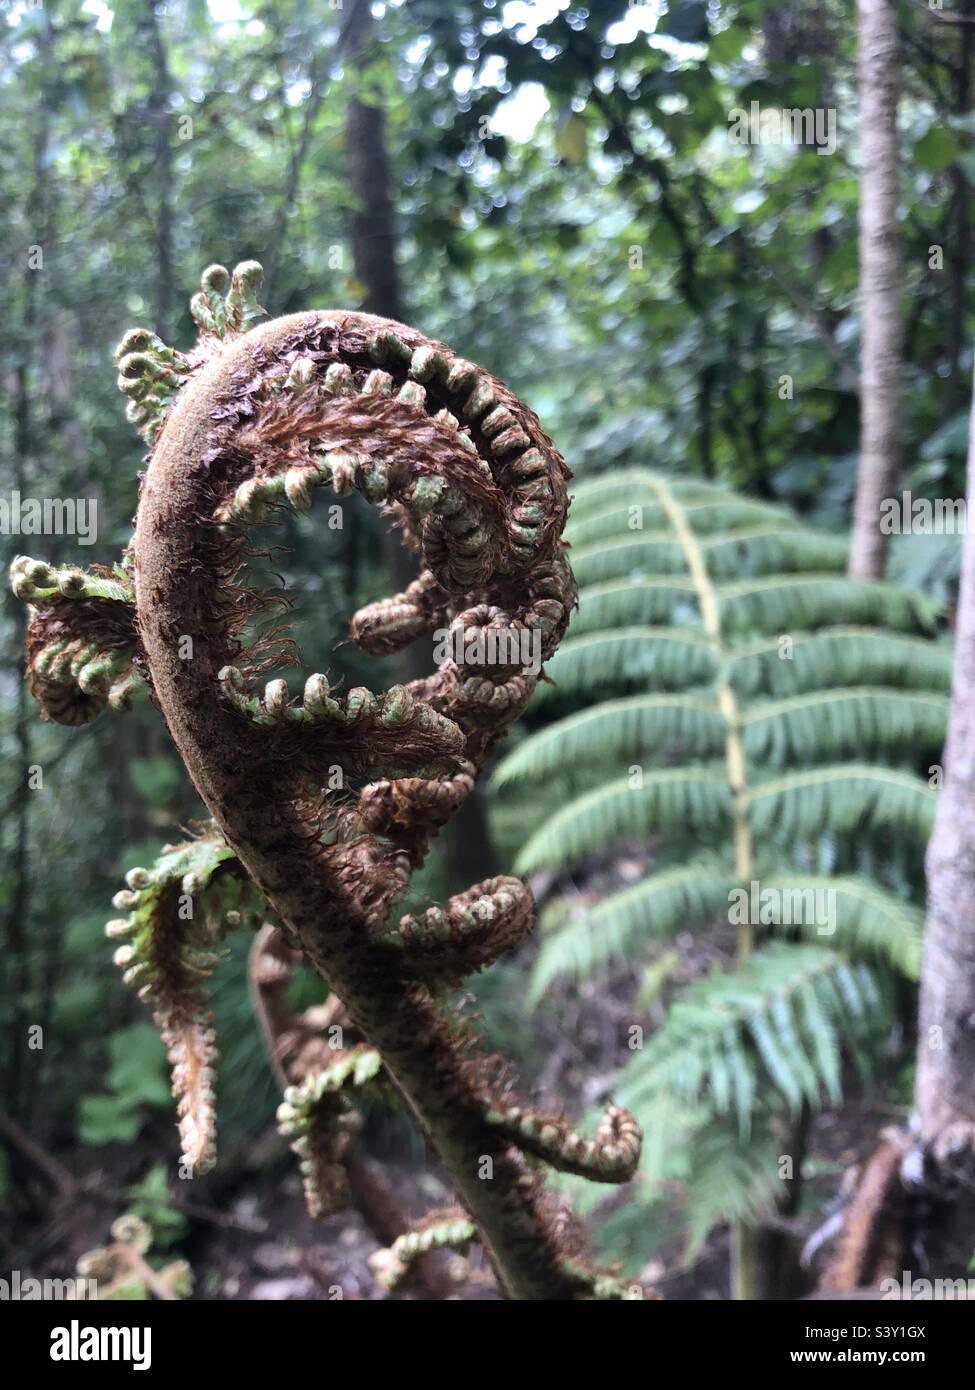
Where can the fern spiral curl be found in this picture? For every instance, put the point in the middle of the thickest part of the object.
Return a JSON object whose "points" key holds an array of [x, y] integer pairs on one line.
{"points": [[242, 427]]}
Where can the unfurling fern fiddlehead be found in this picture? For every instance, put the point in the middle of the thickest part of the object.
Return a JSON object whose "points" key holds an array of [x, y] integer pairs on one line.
{"points": [[240, 427]]}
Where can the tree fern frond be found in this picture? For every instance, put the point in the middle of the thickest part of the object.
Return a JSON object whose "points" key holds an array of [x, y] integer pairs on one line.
{"points": [[637, 487], [178, 913], [840, 656], [765, 549], [854, 914], [689, 797], [704, 1172], [708, 516], [778, 603], [783, 667], [730, 1179], [621, 603], [817, 1007], [639, 555], [611, 931], [847, 912], [669, 658], [734, 1032], [838, 798], [616, 489], [664, 657], [618, 729], [833, 722], [772, 548], [771, 604]]}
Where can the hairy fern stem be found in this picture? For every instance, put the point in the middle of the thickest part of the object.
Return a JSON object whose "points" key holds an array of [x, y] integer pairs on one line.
{"points": [[243, 427]]}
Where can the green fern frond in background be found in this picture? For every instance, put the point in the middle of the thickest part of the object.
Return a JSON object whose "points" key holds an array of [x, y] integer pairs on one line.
{"points": [[675, 798], [776, 1020], [751, 720], [870, 921], [770, 604], [617, 728]]}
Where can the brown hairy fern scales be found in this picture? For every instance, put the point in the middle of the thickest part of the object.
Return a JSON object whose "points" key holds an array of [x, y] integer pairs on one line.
{"points": [[241, 426]]}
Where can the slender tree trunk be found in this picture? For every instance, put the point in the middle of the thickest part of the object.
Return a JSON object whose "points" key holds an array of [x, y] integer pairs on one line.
{"points": [[705, 419], [15, 934], [373, 231], [940, 1155], [138, 737], [946, 1037], [470, 853], [274, 252], [162, 120], [960, 252], [374, 217], [880, 278]]}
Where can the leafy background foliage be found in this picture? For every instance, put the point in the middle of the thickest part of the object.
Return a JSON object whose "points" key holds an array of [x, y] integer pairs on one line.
{"points": [[534, 148]]}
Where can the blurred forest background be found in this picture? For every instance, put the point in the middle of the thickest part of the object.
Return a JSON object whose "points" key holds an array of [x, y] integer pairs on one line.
{"points": [[551, 189]]}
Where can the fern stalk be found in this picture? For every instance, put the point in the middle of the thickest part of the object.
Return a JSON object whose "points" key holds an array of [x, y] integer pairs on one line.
{"points": [[245, 426], [744, 1244], [320, 900]]}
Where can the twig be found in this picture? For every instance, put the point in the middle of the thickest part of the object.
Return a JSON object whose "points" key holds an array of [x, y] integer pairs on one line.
{"points": [[66, 1184]]}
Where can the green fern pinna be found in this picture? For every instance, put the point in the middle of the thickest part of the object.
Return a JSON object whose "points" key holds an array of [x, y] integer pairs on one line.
{"points": [[765, 728]]}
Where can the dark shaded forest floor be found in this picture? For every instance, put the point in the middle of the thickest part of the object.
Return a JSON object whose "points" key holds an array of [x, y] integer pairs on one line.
{"points": [[257, 1242], [248, 1236]]}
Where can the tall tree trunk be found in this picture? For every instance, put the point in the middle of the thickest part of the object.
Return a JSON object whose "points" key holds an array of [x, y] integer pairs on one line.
{"points": [[374, 217], [960, 253], [16, 937], [161, 118], [469, 850], [318, 70], [139, 736], [945, 1095], [885, 1235], [373, 230], [880, 277]]}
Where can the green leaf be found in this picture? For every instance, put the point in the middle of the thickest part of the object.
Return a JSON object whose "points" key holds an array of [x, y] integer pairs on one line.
{"points": [[709, 623], [661, 657], [616, 730], [623, 923], [696, 797], [138, 1068], [936, 149], [755, 1027], [107, 1120], [728, 45]]}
